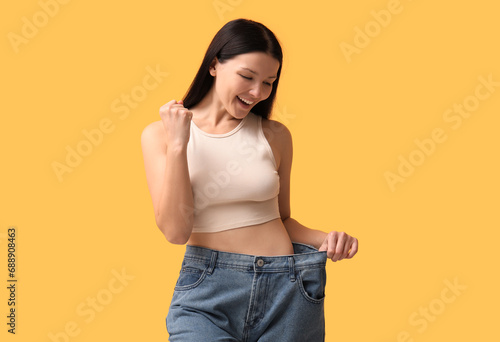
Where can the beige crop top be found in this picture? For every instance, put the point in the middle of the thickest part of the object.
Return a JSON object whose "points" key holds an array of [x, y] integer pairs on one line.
{"points": [[234, 177]]}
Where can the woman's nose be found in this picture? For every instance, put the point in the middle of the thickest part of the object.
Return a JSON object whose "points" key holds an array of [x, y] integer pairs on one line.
{"points": [[256, 91]]}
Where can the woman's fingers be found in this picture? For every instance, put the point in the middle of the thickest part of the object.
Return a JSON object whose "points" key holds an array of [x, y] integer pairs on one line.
{"points": [[177, 122], [339, 245], [354, 248]]}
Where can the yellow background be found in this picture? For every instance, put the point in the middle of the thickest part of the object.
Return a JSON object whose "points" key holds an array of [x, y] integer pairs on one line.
{"points": [[350, 121]]}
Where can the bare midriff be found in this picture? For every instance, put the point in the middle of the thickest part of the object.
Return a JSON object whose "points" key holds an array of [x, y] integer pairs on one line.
{"points": [[265, 239]]}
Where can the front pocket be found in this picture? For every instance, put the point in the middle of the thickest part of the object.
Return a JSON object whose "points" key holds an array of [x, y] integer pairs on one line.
{"points": [[191, 275], [312, 283]]}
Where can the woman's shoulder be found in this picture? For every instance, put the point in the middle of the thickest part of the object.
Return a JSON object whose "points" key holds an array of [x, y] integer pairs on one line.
{"points": [[153, 133], [277, 130], [154, 127], [279, 138]]}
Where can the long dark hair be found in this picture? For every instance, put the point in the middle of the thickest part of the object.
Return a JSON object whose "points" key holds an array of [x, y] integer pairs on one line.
{"points": [[236, 37]]}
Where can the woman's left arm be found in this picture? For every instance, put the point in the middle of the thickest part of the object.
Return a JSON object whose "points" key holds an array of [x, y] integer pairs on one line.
{"points": [[338, 245]]}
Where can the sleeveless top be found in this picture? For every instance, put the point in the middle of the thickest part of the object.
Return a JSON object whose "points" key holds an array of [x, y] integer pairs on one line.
{"points": [[233, 176]]}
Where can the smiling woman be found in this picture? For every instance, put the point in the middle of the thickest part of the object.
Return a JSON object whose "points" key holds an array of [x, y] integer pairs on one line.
{"points": [[218, 170], [233, 83]]}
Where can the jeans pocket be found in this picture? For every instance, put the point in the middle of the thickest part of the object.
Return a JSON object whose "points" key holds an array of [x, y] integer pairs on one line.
{"points": [[312, 283], [192, 274]]}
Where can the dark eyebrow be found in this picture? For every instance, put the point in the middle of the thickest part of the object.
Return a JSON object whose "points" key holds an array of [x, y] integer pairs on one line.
{"points": [[257, 73]]}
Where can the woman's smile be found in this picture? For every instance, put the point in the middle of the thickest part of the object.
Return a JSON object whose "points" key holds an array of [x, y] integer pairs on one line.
{"points": [[243, 104]]}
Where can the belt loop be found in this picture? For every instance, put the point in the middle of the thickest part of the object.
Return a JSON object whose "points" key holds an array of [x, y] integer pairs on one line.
{"points": [[213, 260], [291, 267]]}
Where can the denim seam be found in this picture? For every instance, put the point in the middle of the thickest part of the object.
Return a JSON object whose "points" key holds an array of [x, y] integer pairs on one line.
{"points": [[249, 268], [247, 325]]}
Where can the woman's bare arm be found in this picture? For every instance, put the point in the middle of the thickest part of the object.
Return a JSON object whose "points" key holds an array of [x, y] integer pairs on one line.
{"points": [[169, 184], [338, 245]]}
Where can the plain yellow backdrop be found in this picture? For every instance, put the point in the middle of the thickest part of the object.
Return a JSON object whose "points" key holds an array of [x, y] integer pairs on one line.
{"points": [[394, 111]]}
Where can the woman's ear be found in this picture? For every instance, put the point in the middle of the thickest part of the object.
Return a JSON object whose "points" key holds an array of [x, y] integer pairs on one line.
{"points": [[212, 66]]}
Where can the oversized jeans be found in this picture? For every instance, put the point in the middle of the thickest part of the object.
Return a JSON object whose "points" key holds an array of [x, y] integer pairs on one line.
{"points": [[221, 296]]}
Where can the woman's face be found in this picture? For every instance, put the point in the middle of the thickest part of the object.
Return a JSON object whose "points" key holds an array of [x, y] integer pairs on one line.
{"points": [[248, 76]]}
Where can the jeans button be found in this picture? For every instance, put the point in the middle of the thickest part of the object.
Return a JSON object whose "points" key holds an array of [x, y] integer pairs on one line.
{"points": [[260, 262]]}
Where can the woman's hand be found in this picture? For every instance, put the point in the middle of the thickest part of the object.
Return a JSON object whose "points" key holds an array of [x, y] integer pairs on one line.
{"points": [[176, 121], [339, 245]]}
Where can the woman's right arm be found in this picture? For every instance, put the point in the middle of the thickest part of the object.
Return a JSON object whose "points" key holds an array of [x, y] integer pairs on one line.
{"points": [[164, 149]]}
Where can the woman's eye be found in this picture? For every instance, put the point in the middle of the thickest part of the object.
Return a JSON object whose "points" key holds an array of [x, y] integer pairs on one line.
{"points": [[249, 78]]}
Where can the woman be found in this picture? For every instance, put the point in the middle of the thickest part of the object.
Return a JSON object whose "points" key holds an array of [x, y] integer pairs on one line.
{"points": [[218, 171]]}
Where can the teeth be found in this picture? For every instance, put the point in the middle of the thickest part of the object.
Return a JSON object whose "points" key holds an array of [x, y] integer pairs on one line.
{"points": [[247, 102]]}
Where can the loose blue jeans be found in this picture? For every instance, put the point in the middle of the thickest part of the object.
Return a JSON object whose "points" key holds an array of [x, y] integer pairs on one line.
{"points": [[221, 296]]}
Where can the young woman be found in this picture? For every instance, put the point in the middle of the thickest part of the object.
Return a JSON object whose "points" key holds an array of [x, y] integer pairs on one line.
{"points": [[218, 171]]}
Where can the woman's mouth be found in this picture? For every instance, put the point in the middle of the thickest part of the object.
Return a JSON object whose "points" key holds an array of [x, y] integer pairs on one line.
{"points": [[243, 103]]}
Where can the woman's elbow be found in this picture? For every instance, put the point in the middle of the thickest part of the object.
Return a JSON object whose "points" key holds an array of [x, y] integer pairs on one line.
{"points": [[175, 232], [176, 238]]}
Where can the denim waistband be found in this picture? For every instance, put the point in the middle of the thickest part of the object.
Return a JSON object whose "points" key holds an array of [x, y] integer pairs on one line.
{"points": [[304, 256]]}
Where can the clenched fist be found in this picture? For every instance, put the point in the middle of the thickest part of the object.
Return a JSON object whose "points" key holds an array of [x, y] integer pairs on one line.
{"points": [[177, 123]]}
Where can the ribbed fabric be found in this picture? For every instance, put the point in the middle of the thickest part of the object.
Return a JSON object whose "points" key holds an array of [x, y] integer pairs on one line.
{"points": [[234, 177]]}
